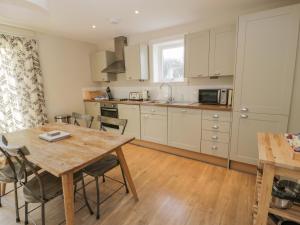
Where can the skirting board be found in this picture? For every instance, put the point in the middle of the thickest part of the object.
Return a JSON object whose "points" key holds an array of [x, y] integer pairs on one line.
{"points": [[243, 167]]}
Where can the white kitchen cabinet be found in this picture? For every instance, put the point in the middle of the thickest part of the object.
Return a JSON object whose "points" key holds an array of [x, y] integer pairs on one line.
{"points": [[266, 54], [154, 125], [93, 109], [184, 128], [99, 61], [265, 67], [244, 133], [132, 114], [196, 58], [222, 51], [136, 62]]}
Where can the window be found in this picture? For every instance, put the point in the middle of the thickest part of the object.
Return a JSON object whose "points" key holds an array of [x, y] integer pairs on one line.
{"points": [[168, 61]]}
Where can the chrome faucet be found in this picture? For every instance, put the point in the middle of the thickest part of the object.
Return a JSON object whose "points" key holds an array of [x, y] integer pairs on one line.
{"points": [[170, 97]]}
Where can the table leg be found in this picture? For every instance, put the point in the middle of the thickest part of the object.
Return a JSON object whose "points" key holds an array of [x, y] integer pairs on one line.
{"points": [[123, 163], [67, 182], [2, 188], [265, 194]]}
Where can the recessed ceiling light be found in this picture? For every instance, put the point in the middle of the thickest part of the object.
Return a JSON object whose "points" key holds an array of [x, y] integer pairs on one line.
{"points": [[136, 11], [94, 26]]}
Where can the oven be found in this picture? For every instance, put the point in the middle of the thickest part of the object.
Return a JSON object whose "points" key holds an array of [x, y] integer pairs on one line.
{"points": [[109, 110]]}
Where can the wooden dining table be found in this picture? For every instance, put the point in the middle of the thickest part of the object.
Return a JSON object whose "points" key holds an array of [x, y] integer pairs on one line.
{"points": [[65, 157]]}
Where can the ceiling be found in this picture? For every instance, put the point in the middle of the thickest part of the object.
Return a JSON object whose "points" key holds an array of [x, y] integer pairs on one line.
{"points": [[74, 18]]}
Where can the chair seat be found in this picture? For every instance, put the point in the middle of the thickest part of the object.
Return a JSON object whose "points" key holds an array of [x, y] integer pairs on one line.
{"points": [[52, 187], [102, 166]]}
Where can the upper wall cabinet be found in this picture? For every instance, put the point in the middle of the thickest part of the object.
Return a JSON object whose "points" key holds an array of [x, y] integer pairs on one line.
{"points": [[222, 51], [196, 54], [136, 62], [99, 61], [210, 53]]}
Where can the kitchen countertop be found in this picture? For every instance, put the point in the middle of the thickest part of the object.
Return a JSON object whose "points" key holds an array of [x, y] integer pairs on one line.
{"points": [[175, 104]]}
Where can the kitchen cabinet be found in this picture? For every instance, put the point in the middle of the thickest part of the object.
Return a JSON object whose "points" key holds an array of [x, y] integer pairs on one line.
{"points": [[136, 62], [93, 109], [154, 124], [196, 58], [132, 114], [184, 128], [216, 128], [99, 61], [222, 51], [244, 133], [266, 55], [265, 67]]}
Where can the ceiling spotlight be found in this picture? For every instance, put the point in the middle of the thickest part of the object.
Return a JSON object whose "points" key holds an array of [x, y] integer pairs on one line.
{"points": [[136, 11], [94, 26]]}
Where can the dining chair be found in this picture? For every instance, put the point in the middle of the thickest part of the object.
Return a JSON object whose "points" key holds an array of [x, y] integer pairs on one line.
{"points": [[9, 174], [42, 187], [108, 162], [77, 118]]}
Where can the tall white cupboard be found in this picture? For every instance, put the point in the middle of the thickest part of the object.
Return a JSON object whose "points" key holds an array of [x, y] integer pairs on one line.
{"points": [[265, 67]]}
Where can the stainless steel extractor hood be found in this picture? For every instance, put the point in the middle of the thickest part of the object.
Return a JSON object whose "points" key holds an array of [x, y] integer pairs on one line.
{"points": [[118, 66]]}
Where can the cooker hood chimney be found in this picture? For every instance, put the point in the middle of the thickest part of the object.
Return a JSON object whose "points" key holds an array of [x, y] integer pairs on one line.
{"points": [[118, 66]]}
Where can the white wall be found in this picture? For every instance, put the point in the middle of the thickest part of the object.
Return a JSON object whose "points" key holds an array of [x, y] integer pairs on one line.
{"points": [[66, 70]]}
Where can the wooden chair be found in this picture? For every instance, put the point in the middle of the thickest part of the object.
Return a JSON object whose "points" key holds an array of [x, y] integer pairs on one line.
{"points": [[43, 187], [108, 162], [77, 117]]}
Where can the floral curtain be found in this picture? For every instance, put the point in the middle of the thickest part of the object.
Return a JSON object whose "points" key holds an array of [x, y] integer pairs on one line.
{"points": [[22, 103]]}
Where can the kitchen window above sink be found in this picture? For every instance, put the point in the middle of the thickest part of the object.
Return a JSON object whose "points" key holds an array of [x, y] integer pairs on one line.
{"points": [[168, 61]]}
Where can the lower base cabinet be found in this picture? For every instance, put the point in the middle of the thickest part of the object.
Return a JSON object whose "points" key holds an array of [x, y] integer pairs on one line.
{"points": [[244, 133], [184, 128], [132, 114], [93, 109], [154, 128]]}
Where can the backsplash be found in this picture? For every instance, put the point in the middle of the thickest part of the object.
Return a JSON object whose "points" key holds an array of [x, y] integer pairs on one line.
{"points": [[186, 93]]}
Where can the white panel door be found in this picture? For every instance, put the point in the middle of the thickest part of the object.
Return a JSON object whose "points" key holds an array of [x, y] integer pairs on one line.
{"points": [[196, 54], [266, 53], [154, 128], [244, 133], [132, 114], [184, 128], [222, 51]]}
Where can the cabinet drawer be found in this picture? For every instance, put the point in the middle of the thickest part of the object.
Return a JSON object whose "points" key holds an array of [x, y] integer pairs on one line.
{"points": [[126, 106], [215, 136], [214, 148], [154, 110], [216, 115], [218, 126]]}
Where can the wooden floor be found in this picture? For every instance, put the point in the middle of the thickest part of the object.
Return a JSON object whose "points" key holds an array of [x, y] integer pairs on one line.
{"points": [[172, 191]]}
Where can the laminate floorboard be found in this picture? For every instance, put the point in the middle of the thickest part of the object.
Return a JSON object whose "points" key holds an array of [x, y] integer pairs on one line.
{"points": [[172, 190]]}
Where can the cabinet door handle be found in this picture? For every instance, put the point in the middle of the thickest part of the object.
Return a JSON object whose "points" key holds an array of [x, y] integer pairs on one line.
{"points": [[244, 116], [215, 116], [215, 127], [214, 147], [215, 137], [217, 74], [244, 109], [183, 110]]}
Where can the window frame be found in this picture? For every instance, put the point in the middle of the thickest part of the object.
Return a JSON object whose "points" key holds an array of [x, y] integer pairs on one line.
{"points": [[156, 59]]}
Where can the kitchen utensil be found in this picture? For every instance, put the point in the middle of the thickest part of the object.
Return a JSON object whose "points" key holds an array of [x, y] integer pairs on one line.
{"points": [[281, 203]]}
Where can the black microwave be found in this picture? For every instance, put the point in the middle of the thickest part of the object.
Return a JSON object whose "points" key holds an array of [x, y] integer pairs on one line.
{"points": [[215, 96]]}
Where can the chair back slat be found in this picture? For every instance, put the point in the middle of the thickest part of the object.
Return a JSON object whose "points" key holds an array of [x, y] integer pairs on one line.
{"points": [[88, 119], [112, 121]]}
